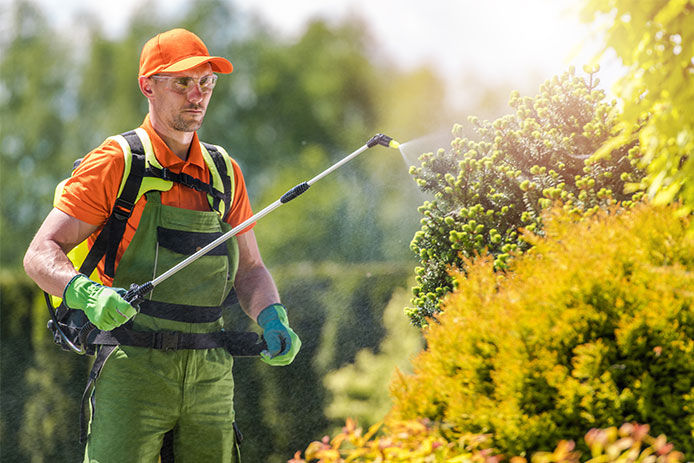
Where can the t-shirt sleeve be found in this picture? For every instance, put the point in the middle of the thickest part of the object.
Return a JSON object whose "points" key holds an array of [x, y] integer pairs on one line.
{"points": [[92, 189], [241, 205]]}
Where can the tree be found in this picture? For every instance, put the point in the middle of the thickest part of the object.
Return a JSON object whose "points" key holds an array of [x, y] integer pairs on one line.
{"points": [[655, 42], [486, 189], [34, 66]]}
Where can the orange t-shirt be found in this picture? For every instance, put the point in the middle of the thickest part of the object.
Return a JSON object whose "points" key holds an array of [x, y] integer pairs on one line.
{"points": [[90, 193]]}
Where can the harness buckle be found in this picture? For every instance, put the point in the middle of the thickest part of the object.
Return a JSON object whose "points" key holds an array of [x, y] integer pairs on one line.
{"points": [[122, 209], [166, 340]]}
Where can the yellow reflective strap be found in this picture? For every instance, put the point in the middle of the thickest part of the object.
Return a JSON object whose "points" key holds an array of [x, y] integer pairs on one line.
{"points": [[216, 178], [230, 168], [147, 145], [217, 182], [150, 183], [127, 157]]}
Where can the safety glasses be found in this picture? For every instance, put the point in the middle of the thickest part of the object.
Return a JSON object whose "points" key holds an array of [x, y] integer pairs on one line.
{"points": [[183, 84]]}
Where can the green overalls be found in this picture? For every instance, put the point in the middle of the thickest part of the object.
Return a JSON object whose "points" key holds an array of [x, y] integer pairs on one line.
{"points": [[141, 393]]}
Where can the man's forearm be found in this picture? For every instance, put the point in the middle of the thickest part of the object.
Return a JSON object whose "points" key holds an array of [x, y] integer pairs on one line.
{"points": [[46, 260], [46, 264], [256, 290]]}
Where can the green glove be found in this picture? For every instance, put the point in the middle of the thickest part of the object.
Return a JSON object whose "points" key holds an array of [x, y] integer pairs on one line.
{"points": [[282, 342], [104, 306]]}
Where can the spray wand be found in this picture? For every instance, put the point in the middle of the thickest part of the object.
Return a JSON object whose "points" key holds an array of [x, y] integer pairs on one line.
{"points": [[138, 291]]}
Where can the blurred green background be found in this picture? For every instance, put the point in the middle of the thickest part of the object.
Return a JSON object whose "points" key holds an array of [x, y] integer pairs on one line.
{"points": [[292, 107]]}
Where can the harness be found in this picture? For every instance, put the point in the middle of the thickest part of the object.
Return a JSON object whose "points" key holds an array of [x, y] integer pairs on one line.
{"points": [[71, 329]]}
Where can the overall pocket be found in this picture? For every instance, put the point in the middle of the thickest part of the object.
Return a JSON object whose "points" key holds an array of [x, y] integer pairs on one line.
{"points": [[206, 278]]}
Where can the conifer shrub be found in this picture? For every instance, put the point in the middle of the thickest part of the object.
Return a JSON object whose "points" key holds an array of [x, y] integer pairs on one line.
{"points": [[593, 327], [486, 187]]}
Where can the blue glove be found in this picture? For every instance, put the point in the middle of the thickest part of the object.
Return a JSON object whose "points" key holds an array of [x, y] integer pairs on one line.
{"points": [[282, 342]]}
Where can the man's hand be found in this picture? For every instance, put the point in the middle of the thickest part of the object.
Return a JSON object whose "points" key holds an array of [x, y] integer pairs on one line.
{"points": [[104, 306], [282, 342]]}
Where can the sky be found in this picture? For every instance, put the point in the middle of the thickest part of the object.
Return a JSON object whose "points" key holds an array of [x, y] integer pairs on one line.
{"points": [[503, 40]]}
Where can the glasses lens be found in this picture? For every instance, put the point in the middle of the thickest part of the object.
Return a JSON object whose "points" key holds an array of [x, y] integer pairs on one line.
{"points": [[208, 82], [183, 84]]}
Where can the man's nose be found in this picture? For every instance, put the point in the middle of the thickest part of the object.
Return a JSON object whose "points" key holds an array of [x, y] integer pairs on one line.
{"points": [[195, 94]]}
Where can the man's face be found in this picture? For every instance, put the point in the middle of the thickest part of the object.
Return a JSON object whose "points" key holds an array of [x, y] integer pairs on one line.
{"points": [[180, 99]]}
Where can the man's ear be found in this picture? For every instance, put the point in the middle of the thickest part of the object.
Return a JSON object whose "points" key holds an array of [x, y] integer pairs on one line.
{"points": [[146, 86]]}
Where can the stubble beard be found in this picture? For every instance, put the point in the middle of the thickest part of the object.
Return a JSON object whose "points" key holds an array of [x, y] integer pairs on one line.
{"points": [[188, 123]]}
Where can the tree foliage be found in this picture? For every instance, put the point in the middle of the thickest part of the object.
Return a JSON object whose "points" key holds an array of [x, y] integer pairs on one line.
{"points": [[593, 327], [655, 43], [33, 124], [485, 189], [287, 111]]}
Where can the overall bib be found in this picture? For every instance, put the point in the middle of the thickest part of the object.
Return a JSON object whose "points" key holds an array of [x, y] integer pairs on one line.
{"points": [[141, 393]]}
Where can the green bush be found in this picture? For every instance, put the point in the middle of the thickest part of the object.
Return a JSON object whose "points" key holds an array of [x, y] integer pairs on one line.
{"points": [[41, 384], [486, 189], [593, 327], [359, 390]]}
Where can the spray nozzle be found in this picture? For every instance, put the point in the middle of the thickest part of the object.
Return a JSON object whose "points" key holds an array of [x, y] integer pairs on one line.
{"points": [[384, 140]]}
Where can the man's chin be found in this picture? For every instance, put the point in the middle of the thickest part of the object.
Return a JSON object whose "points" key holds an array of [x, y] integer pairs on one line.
{"points": [[188, 124]]}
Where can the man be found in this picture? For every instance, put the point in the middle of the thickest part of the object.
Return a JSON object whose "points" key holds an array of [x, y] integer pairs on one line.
{"points": [[143, 393]]}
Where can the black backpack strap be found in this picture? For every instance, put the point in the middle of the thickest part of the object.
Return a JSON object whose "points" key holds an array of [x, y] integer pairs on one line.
{"points": [[101, 356], [238, 344], [183, 179], [218, 160], [107, 242]]}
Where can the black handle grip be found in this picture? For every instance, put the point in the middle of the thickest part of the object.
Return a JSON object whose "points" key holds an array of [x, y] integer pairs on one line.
{"points": [[246, 344], [136, 292], [294, 192]]}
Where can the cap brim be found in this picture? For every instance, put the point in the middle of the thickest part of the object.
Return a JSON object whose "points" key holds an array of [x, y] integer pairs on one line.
{"points": [[219, 64]]}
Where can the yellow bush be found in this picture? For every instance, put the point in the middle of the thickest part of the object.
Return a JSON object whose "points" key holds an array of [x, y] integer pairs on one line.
{"points": [[593, 327], [419, 441]]}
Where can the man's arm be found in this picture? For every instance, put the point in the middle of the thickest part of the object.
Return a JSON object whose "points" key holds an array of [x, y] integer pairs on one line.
{"points": [[254, 285], [259, 298], [46, 260]]}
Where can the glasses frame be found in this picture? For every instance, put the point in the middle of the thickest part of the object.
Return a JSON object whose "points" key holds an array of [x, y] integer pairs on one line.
{"points": [[191, 82]]}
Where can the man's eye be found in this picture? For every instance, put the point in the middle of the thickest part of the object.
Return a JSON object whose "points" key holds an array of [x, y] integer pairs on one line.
{"points": [[182, 82]]}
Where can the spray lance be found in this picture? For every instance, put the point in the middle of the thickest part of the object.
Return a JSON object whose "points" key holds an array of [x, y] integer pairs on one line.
{"points": [[138, 291]]}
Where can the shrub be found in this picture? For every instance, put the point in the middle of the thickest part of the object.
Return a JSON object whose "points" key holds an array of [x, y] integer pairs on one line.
{"points": [[486, 189], [591, 328], [419, 441]]}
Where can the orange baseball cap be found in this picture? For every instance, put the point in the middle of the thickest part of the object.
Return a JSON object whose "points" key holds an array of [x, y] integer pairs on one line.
{"points": [[178, 50]]}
